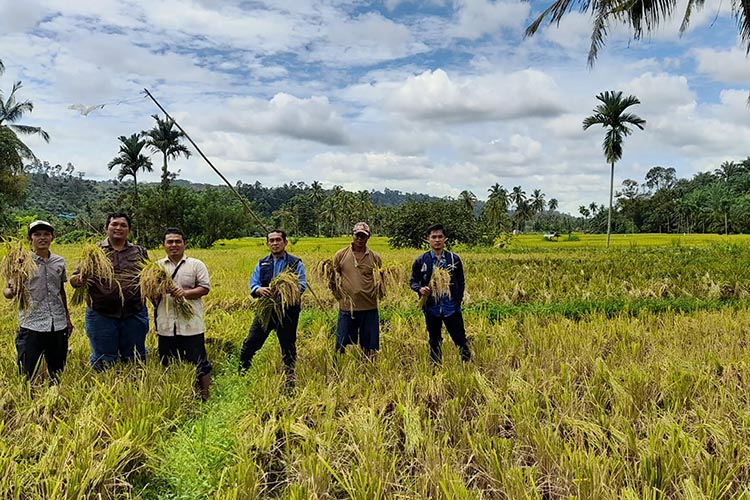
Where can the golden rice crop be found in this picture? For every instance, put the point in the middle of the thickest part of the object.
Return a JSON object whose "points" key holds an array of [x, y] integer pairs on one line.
{"points": [[328, 272], [285, 288], [440, 283], [384, 277], [16, 268], [93, 263], [155, 284]]}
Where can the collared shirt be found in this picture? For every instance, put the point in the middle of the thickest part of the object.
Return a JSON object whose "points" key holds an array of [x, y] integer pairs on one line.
{"points": [[357, 279], [445, 305], [278, 266], [47, 311], [121, 298], [192, 273]]}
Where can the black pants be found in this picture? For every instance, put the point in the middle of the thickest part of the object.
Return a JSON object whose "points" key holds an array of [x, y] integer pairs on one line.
{"points": [[190, 348], [31, 345], [286, 331], [455, 326]]}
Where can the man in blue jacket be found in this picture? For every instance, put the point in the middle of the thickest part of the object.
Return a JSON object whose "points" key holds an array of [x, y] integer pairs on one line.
{"points": [[286, 327], [441, 310]]}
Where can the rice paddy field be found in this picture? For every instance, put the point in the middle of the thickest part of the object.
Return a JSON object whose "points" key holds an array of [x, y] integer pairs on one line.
{"points": [[597, 374]]}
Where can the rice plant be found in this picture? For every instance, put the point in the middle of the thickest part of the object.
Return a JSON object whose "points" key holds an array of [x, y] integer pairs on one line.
{"points": [[156, 286], [440, 284], [285, 289], [93, 263], [16, 268]]}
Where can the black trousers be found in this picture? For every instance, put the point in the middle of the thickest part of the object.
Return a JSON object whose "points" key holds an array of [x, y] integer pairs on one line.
{"points": [[455, 326], [190, 348], [286, 331], [31, 345]]}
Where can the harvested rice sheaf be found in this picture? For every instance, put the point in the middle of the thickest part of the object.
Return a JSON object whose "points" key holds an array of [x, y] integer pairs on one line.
{"points": [[17, 267], [285, 287], [93, 263], [155, 283], [328, 272], [384, 278], [440, 283]]}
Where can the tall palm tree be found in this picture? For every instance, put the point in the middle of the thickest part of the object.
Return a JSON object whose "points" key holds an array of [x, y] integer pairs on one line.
{"points": [[130, 160], [552, 204], [538, 203], [163, 137], [468, 200], [611, 114], [727, 170], [11, 111], [641, 17], [316, 198], [517, 196]]}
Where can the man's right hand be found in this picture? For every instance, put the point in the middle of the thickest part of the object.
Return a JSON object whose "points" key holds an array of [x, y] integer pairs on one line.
{"points": [[426, 291], [76, 281], [265, 291]]}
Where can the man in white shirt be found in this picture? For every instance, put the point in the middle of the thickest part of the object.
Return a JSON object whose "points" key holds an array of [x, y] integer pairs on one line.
{"points": [[179, 337]]}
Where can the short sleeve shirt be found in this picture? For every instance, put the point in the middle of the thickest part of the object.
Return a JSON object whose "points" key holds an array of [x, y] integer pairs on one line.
{"points": [[192, 273], [47, 311]]}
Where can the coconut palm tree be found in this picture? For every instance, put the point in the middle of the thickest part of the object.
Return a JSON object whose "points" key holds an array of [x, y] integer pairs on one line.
{"points": [[641, 17], [316, 198], [538, 203], [11, 111], [163, 137], [552, 204], [611, 114], [468, 200], [130, 160]]}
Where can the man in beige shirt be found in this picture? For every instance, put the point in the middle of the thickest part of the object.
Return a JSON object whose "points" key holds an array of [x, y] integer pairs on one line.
{"points": [[358, 320]]}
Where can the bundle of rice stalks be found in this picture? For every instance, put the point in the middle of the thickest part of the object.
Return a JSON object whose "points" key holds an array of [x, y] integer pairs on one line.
{"points": [[384, 277], [93, 263], [16, 268], [155, 284], [327, 271], [440, 283], [285, 288]]}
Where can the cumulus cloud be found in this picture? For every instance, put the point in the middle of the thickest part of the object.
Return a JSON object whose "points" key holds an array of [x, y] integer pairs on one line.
{"points": [[477, 18], [433, 95], [311, 119], [726, 66]]}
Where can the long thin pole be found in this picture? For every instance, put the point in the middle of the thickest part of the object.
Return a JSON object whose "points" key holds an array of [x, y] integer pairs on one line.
{"points": [[238, 195], [241, 198]]}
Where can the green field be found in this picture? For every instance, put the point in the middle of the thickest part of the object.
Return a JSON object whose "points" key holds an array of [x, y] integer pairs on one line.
{"points": [[597, 374]]}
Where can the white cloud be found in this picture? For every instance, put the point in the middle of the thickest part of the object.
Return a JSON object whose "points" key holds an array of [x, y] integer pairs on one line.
{"points": [[726, 66], [477, 18], [433, 95]]}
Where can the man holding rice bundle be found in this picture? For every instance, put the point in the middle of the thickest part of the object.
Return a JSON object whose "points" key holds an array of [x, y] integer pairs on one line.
{"points": [[182, 336], [442, 293], [358, 293], [283, 268], [116, 317], [44, 325]]}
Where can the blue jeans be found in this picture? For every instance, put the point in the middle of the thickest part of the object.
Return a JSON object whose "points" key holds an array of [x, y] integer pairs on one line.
{"points": [[116, 339], [361, 327]]}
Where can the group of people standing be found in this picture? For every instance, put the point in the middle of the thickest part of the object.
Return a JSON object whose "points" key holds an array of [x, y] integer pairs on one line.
{"points": [[116, 319]]}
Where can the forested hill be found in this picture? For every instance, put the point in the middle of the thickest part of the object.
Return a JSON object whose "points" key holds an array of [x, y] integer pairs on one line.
{"points": [[61, 190]]}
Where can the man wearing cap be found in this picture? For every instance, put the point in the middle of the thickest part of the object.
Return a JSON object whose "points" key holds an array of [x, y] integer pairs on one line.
{"points": [[45, 326], [116, 317], [358, 320]]}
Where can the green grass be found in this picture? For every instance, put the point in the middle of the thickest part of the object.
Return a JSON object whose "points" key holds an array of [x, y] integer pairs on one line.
{"points": [[619, 373]]}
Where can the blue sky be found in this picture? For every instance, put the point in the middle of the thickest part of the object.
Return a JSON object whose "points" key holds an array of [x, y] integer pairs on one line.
{"points": [[434, 96]]}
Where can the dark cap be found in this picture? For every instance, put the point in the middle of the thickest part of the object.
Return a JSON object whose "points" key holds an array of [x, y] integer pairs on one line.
{"points": [[41, 224]]}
